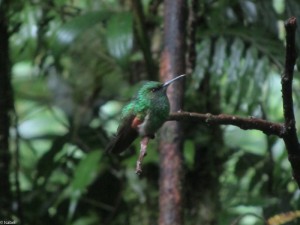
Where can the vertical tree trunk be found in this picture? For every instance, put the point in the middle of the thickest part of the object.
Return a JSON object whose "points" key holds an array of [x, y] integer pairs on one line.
{"points": [[5, 107], [172, 65]]}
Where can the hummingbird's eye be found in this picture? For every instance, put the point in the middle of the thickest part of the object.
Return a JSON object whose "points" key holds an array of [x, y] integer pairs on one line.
{"points": [[155, 89]]}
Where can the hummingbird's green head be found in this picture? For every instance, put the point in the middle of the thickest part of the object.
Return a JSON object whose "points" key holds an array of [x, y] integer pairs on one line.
{"points": [[153, 89]]}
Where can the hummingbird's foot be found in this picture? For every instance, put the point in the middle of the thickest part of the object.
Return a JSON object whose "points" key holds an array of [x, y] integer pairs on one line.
{"points": [[143, 153]]}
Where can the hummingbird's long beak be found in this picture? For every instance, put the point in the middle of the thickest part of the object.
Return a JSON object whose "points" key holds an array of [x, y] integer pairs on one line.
{"points": [[172, 80]]}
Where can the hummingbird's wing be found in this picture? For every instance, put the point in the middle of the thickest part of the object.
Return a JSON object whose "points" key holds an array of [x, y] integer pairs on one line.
{"points": [[126, 134]]}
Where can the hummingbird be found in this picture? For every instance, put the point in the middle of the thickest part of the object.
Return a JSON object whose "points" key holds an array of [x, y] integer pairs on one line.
{"points": [[142, 116]]}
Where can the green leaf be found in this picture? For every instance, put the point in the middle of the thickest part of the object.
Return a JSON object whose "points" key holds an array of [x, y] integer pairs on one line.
{"points": [[279, 6], [86, 220], [235, 57], [189, 153], [120, 36], [246, 161], [69, 31], [47, 164], [249, 10], [86, 171], [252, 141], [219, 57], [202, 62]]}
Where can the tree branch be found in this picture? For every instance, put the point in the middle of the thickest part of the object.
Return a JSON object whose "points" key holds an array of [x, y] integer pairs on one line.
{"points": [[287, 130], [269, 128], [290, 134]]}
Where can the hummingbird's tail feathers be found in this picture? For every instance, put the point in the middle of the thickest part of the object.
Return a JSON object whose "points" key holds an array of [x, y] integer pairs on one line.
{"points": [[124, 137]]}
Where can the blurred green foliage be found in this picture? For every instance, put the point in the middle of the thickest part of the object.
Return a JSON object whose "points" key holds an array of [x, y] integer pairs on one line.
{"points": [[76, 63]]}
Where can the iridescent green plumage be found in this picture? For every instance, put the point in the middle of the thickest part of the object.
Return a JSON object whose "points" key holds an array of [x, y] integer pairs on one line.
{"points": [[150, 106], [143, 116]]}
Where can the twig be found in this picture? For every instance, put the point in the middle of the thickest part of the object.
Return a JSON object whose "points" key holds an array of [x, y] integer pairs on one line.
{"points": [[269, 128]]}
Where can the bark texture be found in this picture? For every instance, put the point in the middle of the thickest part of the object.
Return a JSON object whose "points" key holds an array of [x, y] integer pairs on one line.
{"points": [[172, 64]]}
